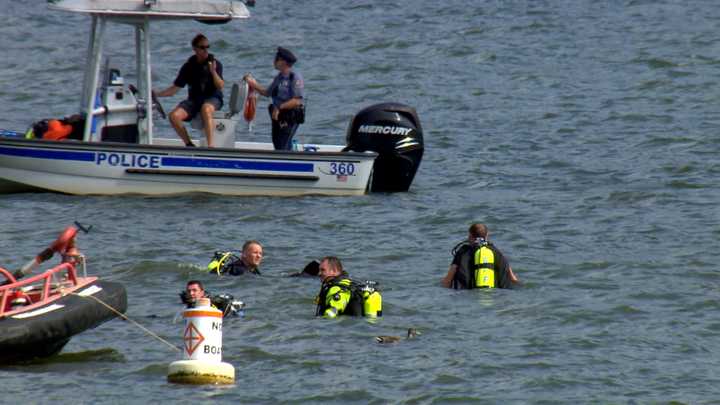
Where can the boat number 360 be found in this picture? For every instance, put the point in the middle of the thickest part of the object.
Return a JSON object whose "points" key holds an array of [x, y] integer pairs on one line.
{"points": [[342, 168]]}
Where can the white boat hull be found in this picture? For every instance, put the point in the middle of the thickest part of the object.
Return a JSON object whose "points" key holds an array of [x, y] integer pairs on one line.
{"points": [[93, 168]]}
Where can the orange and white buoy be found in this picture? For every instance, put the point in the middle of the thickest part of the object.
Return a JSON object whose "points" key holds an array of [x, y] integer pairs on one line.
{"points": [[202, 348]]}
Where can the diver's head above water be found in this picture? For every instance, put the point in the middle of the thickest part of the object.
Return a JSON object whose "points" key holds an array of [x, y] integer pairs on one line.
{"points": [[330, 267], [252, 254], [194, 290], [477, 231]]}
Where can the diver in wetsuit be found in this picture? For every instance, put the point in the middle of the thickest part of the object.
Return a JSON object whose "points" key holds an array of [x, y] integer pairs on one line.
{"points": [[194, 290], [248, 262], [340, 295], [477, 263]]}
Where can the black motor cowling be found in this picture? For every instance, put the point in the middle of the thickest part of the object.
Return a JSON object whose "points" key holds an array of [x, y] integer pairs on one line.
{"points": [[393, 131]]}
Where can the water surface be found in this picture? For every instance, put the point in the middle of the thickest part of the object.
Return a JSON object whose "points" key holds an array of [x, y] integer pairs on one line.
{"points": [[583, 133]]}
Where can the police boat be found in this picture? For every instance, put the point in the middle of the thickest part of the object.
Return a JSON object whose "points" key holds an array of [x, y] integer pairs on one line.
{"points": [[110, 147], [39, 314]]}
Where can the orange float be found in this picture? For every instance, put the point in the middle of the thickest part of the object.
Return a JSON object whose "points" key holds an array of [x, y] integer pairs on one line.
{"points": [[249, 107], [57, 130]]}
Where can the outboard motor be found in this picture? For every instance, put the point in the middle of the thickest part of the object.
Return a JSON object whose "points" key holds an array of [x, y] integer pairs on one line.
{"points": [[393, 131]]}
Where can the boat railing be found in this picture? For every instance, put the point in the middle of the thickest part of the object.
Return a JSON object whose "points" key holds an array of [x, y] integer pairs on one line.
{"points": [[45, 282]]}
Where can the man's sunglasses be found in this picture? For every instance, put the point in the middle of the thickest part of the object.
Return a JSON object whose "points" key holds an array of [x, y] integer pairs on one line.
{"points": [[203, 47]]}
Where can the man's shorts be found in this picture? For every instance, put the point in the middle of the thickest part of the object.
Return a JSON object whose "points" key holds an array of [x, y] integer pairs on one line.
{"points": [[192, 107]]}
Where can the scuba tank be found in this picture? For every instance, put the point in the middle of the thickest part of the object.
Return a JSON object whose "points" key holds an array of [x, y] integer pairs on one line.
{"points": [[222, 261], [372, 300], [364, 298], [228, 305]]}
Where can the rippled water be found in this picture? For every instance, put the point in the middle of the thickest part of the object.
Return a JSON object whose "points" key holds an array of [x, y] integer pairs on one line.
{"points": [[583, 133]]}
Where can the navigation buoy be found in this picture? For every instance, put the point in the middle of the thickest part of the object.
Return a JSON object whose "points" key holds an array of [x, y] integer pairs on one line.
{"points": [[202, 348]]}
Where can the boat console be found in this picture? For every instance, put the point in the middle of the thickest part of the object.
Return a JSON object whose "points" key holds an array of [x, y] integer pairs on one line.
{"points": [[123, 109], [120, 118]]}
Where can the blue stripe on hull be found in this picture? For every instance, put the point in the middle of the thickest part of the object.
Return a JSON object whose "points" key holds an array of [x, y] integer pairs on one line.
{"points": [[172, 161], [49, 154], [236, 164]]}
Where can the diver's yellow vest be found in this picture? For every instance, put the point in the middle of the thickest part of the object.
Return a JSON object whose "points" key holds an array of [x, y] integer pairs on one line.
{"points": [[484, 268]]}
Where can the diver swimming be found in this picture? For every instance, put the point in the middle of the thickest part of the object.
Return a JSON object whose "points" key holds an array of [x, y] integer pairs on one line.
{"points": [[195, 290], [236, 263]]}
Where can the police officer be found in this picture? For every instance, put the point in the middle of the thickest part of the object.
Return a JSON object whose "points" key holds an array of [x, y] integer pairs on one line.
{"points": [[287, 110], [336, 297], [477, 263]]}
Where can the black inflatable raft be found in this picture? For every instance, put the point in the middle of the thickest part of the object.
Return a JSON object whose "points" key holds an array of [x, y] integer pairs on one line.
{"points": [[44, 331]]}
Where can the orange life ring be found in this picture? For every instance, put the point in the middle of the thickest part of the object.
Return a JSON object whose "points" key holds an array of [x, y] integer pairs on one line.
{"points": [[249, 105]]}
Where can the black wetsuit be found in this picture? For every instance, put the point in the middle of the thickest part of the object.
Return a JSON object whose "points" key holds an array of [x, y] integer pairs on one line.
{"points": [[238, 267], [465, 274]]}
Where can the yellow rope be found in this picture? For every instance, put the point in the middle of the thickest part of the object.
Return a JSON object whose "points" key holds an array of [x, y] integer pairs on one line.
{"points": [[125, 317]]}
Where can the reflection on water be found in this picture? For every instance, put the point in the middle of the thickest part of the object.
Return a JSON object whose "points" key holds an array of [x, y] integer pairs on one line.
{"points": [[484, 298]]}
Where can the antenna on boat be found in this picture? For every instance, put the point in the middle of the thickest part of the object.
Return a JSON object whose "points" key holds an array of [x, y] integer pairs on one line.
{"points": [[106, 71], [82, 228]]}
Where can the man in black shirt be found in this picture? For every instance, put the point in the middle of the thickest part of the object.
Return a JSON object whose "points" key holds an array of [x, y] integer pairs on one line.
{"points": [[203, 74]]}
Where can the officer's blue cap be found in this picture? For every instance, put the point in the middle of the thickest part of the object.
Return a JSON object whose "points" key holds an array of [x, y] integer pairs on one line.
{"points": [[285, 55]]}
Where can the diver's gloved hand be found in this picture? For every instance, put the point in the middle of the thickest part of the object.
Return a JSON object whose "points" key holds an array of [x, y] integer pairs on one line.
{"points": [[330, 313], [311, 269]]}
